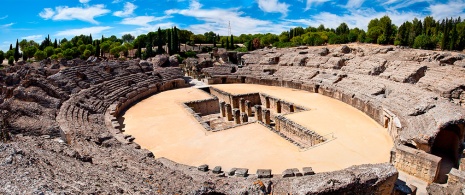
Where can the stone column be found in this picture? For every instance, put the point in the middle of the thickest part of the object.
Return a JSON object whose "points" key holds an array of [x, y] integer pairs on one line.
{"points": [[258, 112], [266, 114], [237, 116], [278, 106], [242, 104], [228, 109], [222, 109], [244, 118], [248, 108]]}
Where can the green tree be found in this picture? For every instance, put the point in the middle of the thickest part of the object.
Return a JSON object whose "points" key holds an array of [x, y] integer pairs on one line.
{"points": [[87, 53], [128, 38], [149, 50], [386, 25], [11, 60], [97, 49], [227, 43], [170, 43], [30, 51], [159, 42], [232, 42], [49, 51], [16, 54], [342, 29], [40, 55], [423, 42], [9, 54], [2, 57]]}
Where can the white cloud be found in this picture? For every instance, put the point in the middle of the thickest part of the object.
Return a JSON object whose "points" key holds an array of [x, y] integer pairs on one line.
{"points": [[47, 13], [7, 25], [453, 8], [4, 17], [96, 30], [116, 1], [84, 1], [33, 37], [354, 3], [127, 11], [142, 20], [399, 4], [86, 14], [239, 24], [273, 6], [311, 3]]}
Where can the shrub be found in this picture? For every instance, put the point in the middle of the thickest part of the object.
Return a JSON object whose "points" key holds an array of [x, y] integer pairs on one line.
{"points": [[40, 55], [11, 60], [423, 42]]}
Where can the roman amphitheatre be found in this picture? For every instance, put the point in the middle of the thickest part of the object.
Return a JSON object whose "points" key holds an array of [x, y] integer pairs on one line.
{"points": [[355, 119]]}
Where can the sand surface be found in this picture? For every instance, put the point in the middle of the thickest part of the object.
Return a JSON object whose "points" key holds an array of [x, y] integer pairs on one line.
{"points": [[162, 125]]}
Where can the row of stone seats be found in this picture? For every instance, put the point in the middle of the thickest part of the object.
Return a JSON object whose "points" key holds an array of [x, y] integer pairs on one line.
{"points": [[85, 111]]}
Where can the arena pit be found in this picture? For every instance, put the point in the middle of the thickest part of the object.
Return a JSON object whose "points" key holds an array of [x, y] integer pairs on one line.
{"points": [[296, 129]]}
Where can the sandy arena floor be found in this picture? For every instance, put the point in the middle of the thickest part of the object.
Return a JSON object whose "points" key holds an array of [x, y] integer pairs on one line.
{"points": [[162, 125]]}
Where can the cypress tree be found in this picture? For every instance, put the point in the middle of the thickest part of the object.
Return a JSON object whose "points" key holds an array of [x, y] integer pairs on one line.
{"points": [[16, 54], [11, 47], [159, 42], [232, 42], [149, 50], [103, 39], [91, 41], [445, 35], [227, 43], [139, 51], [214, 41], [97, 49], [454, 37], [169, 41], [55, 44]]}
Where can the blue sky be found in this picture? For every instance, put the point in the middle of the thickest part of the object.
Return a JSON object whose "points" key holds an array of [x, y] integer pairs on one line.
{"points": [[33, 20]]}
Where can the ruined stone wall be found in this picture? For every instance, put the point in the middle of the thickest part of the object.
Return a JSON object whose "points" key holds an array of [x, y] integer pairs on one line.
{"points": [[204, 107], [279, 106], [254, 99], [298, 133], [221, 95], [416, 162]]}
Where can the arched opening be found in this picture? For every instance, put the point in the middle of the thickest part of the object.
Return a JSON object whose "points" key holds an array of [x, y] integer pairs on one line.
{"points": [[447, 145]]}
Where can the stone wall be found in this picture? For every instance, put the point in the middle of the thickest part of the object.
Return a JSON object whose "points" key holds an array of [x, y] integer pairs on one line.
{"points": [[204, 107], [276, 104], [297, 133], [233, 99], [416, 162]]}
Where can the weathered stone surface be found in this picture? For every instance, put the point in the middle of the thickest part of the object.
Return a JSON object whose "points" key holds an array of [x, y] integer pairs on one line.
{"points": [[217, 170], [264, 173], [308, 171], [241, 172], [203, 168], [288, 173]]}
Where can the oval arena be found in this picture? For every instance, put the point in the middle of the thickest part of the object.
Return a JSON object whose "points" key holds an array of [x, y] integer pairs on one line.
{"points": [[306, 120]]}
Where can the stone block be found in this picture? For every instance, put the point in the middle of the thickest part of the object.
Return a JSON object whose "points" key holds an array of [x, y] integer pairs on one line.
{"points": [[308, 171], [242, 172], [232, 171], [203, 168], [264, 173], [297, 173], [288, 173], [217, 170]]}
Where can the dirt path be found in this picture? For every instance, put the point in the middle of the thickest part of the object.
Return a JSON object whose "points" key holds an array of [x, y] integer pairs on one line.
{"points": [[162, 125]]}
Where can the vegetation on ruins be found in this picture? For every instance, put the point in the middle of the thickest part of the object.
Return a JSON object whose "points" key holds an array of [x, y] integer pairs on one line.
{"points": [[446, 34]]}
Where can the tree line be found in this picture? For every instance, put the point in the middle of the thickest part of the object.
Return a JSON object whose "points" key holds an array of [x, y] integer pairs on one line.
{"points": [[446, 34]]}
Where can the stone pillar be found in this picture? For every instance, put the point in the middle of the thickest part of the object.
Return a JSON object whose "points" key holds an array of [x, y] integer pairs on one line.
{"points": [[278, 106], [228, 109], [237, 116], [244, 118], [258, 112], [266, 115], [222, 109], [248, 108], [242, 104]]}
